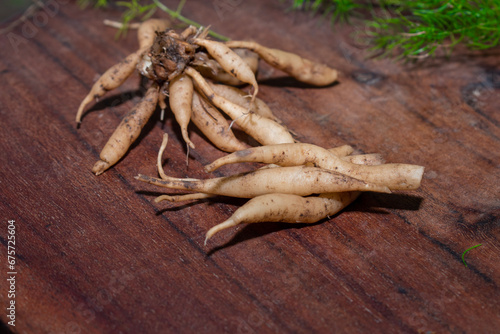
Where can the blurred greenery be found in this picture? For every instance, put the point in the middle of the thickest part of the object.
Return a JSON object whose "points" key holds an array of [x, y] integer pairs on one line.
{"points": [[9, 9], [415, 29], [399, 28]]}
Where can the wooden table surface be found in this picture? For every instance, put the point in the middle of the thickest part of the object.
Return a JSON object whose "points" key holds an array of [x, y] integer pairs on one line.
{"points": [[97, 255]]}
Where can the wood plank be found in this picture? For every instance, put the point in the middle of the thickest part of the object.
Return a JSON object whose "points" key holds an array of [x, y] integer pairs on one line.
{"points": [[96, 255]]}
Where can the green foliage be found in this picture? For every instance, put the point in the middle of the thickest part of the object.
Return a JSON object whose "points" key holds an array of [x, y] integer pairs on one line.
{"points": [[134, 10], [401, 28], [142, 10], [416, 29], [337, 10], [97, 3], [177, 15], [463, 254]]}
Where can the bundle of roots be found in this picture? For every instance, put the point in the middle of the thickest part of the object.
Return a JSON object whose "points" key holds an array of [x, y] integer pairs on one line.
{"points": [[300, 183], [198, 76]]}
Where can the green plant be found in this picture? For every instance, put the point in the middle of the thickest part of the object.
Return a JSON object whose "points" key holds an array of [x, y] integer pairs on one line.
{"points": [[468, 249], [134, 9], [97, 3], [401, 28], [339, 10], [417, 29], [142, 10]]}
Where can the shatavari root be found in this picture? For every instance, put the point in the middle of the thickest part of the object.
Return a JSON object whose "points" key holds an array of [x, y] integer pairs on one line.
{"points": [[298, 180], [394, 176], [300, 68], [299, 183], [264, 130], [231, 63], [113, 78], [237, 96], [167, 58], [278, 194], [127, 132], [214, 126], [291, 208], [286, 208], [181, 99]]}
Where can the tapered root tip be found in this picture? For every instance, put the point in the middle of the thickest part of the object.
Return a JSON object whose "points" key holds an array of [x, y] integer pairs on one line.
{"points": [[185, 136], [143, 178], [164, 198], [84, 103], [78, 118], [222, 226], [100, 167], [211, 233], [209, 168]]}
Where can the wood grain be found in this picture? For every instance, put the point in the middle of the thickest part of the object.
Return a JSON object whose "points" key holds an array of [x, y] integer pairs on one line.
{"points": [[96, 255]]}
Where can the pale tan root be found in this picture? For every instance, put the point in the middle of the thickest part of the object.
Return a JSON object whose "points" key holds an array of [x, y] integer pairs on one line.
{"points": [[360, 159], [127, 131], [180, 98], [300, 180], [214, 126], [113, 78], [287, 208], [159, 164], [161, 172], [162, 101], [119, 25], [341, 151], [239, 97], [345, 152], [231, 62], [296, 154], [251, 58], [394, 176], [293, 208], [191, 30], [181, 198], [147, 31], [272, 166], [300, 68], [365, 159], [297, 180], [262, 129], [162, 104]]}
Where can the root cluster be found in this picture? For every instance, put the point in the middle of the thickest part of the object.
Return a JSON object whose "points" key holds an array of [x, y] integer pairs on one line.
{"points": [[197, 76], [300, 183]]}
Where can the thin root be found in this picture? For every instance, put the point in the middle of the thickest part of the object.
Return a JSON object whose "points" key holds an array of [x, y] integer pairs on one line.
{"points": [[164, 142], [164, 176], [181, 198], [119, 25]]}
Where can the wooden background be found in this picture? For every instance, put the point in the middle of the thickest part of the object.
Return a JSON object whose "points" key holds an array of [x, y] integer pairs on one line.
{"points": [[96, 255]]}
